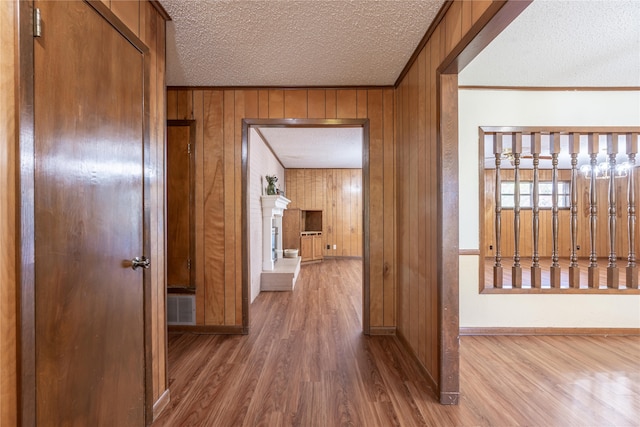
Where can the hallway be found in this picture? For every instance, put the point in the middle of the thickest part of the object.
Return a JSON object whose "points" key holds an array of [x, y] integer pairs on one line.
{"points": [[306, 363]]}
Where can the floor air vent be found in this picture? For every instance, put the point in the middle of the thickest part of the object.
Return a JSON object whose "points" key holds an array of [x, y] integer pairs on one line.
{"points": [[181, 309]]}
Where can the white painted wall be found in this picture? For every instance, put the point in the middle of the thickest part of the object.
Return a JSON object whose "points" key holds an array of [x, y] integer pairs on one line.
{"points": [[533, 108], [261, 162]]}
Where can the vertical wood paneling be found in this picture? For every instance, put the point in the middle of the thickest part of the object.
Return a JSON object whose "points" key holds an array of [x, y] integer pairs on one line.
{"points": [[324, 191], [230, 236], [316, 103], [388, 203], [420, 271], [215, 213], [199, 202], [346, 103], [331, 104], [295, 104], [8, 219], [276, 104], [185, 105], [376, 206]]}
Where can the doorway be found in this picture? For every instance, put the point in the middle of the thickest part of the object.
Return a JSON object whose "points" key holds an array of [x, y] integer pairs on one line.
{"points": [[247, 125]]}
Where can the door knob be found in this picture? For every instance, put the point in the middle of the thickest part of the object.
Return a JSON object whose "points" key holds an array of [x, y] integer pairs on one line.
{"points": [[140, 261]]}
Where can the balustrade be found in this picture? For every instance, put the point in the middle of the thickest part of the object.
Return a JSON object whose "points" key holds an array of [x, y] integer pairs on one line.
{"points": [[587, 159]]}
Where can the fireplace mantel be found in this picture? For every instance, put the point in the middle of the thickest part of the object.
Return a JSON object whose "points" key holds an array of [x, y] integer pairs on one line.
{"points": [[272, 209]]}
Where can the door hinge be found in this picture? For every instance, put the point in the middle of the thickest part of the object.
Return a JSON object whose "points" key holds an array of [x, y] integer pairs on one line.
{"points": [[189, 264], [37, 23], [189, 148]]}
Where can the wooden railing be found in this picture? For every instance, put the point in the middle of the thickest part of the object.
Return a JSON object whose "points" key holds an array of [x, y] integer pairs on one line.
{"points": [[587, 157]]}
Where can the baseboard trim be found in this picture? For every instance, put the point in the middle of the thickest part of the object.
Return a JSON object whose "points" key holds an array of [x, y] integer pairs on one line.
{"points": [[161, 404], [551, 331], [209, 329], [429, 379], [382, 330]]}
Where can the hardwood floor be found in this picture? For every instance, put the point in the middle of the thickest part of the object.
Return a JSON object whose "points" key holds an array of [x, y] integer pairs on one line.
{"points": [[306, 363]]}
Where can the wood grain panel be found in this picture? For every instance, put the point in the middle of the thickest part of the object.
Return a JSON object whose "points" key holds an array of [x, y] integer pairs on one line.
{"points": [[331, 104], [199, 203], [426, 207], [263, 104], [239, 113], [215, 211], [129, 13], [230, 232], [346, 103], [8, 219], [388, 204], [172, 105], [295, 104], [185, 105], [315, 189], [276, 104], [316, 103]]}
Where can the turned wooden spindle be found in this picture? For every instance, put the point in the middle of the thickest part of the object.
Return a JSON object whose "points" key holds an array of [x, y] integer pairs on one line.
{"points": [[593, 273], [516, 269], [536, 271], [632, 268], [497, 267], [574, 269], [612, 268], [554, 149]]}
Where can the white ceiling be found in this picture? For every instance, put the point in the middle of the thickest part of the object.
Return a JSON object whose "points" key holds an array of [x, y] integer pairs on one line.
{"points": [[323, 148], [327, 43], [564, 44], [293, 42]]}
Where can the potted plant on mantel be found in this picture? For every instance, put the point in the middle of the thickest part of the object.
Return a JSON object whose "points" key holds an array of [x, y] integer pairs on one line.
{"points": [[271, 185]]}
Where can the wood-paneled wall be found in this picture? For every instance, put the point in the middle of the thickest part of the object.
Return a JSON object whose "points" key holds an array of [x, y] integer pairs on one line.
{"points": [[148, 23], [564, 218], [218, 114], [338, 194], [8, 221], [424, 109]]}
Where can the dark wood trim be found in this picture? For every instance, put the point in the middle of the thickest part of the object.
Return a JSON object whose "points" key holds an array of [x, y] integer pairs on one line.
{"points": [[161, 10], [554, 88], [223, 88], [496, 18], [564, 130], [116, 23], [448, 240], [366, 234], [475, 331], [269, 146], [192, 195], [26, 360], [469, 252], [382, 330], [557, 291], [209, 329], [308, 123], [436, 21], [161, 404]]}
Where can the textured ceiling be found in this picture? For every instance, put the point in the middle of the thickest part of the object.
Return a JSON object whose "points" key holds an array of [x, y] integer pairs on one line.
{"points": [[324, 148], [564, 44], [293, 42]]}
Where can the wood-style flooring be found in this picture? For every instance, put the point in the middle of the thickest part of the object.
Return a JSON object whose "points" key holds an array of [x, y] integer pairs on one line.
{"points": [[306, 363]]}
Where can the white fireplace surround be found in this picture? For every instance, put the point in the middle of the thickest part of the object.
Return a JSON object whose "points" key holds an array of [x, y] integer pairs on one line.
{"points": [[272, 209]]}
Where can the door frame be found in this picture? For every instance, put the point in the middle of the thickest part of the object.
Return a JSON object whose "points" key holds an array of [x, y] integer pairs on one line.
{"points": [[26, 360], [307, 123], [191, 124]]}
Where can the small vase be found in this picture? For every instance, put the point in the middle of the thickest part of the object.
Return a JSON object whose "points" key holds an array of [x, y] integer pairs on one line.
{"points": [[271, 190]]}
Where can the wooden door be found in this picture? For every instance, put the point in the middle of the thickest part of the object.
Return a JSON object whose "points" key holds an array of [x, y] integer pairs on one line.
{"points": [[90, 144], [291, 229], [180, 225], [306, 248], [317, 247]]}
